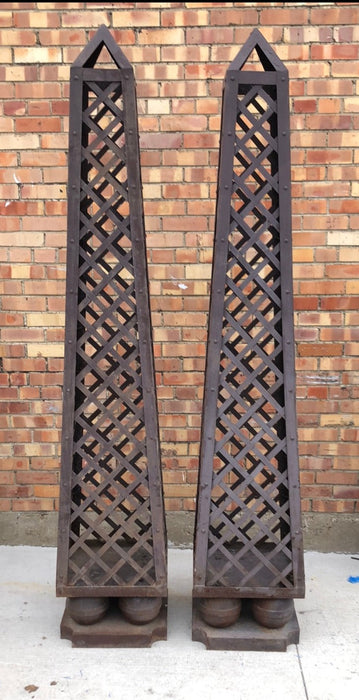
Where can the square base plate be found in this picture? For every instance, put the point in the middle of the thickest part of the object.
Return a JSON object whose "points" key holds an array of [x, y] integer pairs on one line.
{"points": [[114, 631], [246, 634]]}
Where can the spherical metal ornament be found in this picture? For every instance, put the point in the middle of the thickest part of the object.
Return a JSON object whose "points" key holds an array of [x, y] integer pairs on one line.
{"points": [[272, 613], [140, 611], [220, 612], [87, 611]]}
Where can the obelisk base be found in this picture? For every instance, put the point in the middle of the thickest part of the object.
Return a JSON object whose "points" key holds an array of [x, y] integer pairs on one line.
{"points": [[114, 631], [245, 634]]}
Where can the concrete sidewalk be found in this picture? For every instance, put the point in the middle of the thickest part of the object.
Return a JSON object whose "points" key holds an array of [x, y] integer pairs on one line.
{"points": [[36, 663]]}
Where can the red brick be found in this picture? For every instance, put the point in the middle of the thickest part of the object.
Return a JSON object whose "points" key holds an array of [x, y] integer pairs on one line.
{"points": [[330, 52], [190, 123], [328, 506], [162, 141], [334, 121], [200, 140], [305, 105], [14, 108], [33, 124], [322, 288], [33, 504], [39, 108], [210, 35], [346, 492], [337, 87], [329, 156], [320, 349], [234, 17], [284, 16], [335, 15], [342, 270], [62, 37]]}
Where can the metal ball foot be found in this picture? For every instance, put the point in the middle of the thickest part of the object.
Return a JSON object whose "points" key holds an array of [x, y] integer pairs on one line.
{"points": [[220, 612], [272, 613], [87, 611], [140, 611]]}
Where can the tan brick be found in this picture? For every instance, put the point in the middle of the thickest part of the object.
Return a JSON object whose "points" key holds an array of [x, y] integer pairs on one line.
{"points": [[45, 319], [185, 53], [5, 55], [342, 238], [20, 141], [45, 350], [44, 192], [37, 54], [6, 19], [15, 37], [84, 18], [23, 240], [159, 106], [136, 18], [161, 36], [200, 271], [184, 18]]}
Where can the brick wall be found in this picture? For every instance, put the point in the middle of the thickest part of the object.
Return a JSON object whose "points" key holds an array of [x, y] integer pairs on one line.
{"points": [[180, 52]]}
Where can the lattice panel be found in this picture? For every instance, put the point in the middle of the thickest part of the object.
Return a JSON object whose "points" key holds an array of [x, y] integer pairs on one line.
{"points": [[244, 532], [111, 535], [249, 500], [110, 514]]}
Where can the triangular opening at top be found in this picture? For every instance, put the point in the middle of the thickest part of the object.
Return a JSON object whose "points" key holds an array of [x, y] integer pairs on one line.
{"points": [[257, 60], [102, 58], [256, 54]]}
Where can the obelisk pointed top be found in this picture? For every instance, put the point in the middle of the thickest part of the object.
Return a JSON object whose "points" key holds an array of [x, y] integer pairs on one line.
{"points": [[91, 52], [267, 56]]}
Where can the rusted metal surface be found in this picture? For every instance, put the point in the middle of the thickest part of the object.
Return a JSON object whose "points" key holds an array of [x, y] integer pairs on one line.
{"points": [[248, 541], [112, 540]]}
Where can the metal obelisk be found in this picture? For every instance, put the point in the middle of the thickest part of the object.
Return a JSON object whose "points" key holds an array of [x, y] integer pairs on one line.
{"points": [[112, 542], [248, 558]]}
